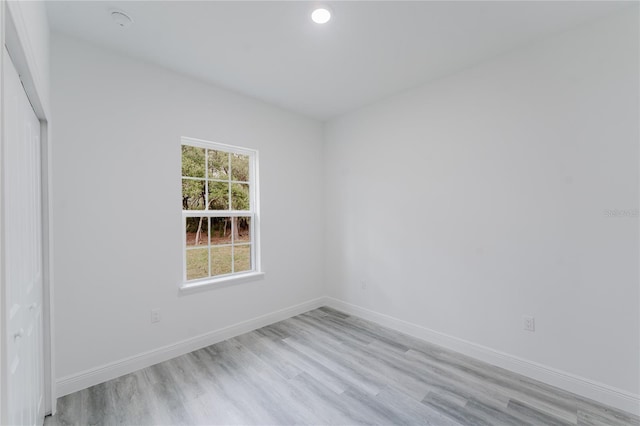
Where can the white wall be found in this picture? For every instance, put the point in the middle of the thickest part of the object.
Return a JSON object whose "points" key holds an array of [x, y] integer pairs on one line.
{"points": [[116, 163], [477, 199]]}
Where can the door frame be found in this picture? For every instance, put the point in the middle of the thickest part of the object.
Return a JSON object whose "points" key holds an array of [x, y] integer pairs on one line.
{"points": [[14, 35]]}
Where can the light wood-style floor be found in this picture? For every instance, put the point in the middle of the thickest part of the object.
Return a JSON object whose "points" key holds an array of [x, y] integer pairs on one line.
{"points": [[328, 368]]}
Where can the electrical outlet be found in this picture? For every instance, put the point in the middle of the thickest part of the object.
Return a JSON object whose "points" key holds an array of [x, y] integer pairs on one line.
{"points": [[155, 315], [529, 323]]}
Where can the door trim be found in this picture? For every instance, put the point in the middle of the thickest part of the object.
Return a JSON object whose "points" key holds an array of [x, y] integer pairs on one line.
{"points": [[15, 36]]}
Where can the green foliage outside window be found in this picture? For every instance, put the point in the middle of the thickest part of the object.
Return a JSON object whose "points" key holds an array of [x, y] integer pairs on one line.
{"points": [[224, 172], [215, 180]]}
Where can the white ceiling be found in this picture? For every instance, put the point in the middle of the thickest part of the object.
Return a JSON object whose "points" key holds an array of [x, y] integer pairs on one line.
{"points": [[272, 51]]}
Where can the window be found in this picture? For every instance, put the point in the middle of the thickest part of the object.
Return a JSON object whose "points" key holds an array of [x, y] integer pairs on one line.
{"points": [[219, 213]]}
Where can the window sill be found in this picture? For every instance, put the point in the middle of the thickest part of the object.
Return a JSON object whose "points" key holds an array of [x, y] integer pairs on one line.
{"points": [[193, 287]]}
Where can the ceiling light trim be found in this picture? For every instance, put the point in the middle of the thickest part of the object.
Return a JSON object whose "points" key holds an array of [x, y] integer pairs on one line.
{"points": [[321, 15]]}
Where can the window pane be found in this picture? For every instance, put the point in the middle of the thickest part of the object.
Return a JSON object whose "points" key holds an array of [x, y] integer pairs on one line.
{"points": [[220, 230], [220, 260], [243, 229], [218, 195], [197, 231], [192, 161], [240, 167], [240, 196], [242, 258], [218, 165], [193, 194], [197, 263]]}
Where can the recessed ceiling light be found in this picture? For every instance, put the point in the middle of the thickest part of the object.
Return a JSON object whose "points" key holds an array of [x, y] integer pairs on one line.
{"points": [[321, 15], [121, 19]]}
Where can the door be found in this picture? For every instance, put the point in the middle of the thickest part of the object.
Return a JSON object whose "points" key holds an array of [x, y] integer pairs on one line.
{"points": [[23, 253]]}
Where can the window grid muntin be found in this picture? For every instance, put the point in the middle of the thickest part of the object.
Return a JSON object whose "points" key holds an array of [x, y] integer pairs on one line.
{"points": [[217, 180], [218, 245], [251, 244], [229, 181], [233, 243], [251, 213]]}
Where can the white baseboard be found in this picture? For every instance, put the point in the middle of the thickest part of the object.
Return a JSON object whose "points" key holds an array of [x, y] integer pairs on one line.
{"points": [[584, 387], [94, 376]]}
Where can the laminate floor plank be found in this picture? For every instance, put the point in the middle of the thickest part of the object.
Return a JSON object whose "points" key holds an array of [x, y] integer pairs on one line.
{"points": [[266, 350], [332, 408], [313, 368], [534, 416], [412, 376], [228, 388], [591, 414], [408, 411], [453, 411], [390, 369], [274, 390], [341, 368], [325, 367], [245, 377], [492, 415], [485, 386]]}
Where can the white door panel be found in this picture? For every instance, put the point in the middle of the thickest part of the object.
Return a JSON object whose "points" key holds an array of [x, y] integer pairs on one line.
{"points": [[23, 253]]}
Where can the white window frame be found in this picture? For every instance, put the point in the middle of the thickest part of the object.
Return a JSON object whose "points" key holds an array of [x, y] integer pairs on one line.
{"points": [[253, 212]]}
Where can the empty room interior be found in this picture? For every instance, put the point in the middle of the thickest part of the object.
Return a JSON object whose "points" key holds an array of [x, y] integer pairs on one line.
{"points": [[320, 213]]}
